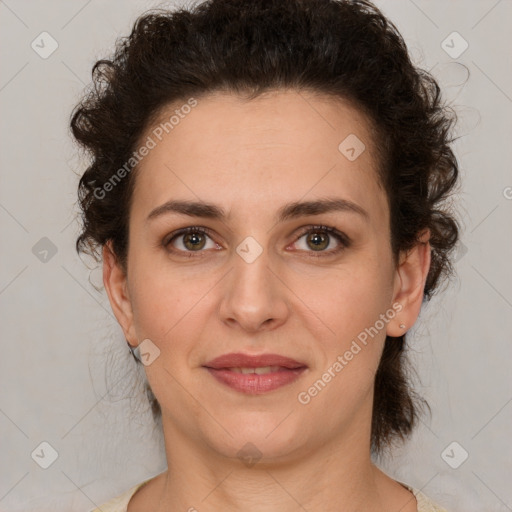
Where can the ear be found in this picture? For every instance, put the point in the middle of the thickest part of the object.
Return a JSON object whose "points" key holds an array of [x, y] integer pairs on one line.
{"points": [[116, 285], [410, 277]]}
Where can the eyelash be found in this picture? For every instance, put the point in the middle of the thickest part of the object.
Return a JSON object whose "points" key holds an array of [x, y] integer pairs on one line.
{"points": [[343, 239]]}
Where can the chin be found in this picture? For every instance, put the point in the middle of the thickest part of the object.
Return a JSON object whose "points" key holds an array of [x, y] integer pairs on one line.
{"points": [[260, 437]]}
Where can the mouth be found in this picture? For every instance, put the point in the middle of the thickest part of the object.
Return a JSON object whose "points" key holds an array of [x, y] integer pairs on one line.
{"points": [[255, 374]]}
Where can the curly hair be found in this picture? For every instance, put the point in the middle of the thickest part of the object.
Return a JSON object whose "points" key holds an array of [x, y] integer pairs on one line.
{"points": [[342, 48]]}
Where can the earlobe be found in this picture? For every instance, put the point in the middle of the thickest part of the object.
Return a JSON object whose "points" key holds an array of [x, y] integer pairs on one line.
{"points": [[116, 286], [410, 277]]}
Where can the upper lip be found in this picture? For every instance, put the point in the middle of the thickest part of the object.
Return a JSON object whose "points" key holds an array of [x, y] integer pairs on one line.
{"points": [[240, 360]]}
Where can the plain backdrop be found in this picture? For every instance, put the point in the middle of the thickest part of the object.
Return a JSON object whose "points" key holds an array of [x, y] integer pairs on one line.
{"points": [[66, 377]]}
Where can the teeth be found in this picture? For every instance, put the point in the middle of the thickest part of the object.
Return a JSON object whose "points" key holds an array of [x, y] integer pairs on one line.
{"points": [[259, 371]]}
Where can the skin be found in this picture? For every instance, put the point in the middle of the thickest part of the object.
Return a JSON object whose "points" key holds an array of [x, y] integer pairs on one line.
{"points": [[251, 158]]}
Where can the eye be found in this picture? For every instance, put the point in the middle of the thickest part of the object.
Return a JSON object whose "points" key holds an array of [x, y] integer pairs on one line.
{"points": [[191, 239], [318, 238]]}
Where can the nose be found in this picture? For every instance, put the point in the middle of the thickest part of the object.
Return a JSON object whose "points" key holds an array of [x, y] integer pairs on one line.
{"points": [[254, 297]]}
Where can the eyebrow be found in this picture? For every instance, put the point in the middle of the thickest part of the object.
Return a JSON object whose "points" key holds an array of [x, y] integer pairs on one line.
{"points": [[286, 212]]}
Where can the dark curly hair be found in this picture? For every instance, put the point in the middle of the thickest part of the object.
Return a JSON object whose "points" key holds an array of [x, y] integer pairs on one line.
{"points": [[345, 49]]}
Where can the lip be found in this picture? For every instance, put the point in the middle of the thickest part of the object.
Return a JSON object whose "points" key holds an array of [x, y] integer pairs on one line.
{"points": [[237, 360], [221, 368]]}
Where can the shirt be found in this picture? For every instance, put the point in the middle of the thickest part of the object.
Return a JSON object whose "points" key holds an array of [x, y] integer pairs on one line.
{"points": [[120, 504]]}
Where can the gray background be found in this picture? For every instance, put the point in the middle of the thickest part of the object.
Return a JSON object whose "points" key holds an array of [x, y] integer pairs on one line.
{"points": [[66, 376]]}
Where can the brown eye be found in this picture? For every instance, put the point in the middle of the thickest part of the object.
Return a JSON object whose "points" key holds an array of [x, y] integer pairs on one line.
{"points": [[318, 238], [189, 240], [194, 241]]}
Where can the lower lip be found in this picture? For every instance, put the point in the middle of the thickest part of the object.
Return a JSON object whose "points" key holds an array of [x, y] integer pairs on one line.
{"points": [[253, 383]]}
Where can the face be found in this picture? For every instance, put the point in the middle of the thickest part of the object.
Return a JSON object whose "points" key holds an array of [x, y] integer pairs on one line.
{"points": [[261, 273]]}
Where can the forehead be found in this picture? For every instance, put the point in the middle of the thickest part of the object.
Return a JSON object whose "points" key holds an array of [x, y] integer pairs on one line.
{"points": [[260, 153]]}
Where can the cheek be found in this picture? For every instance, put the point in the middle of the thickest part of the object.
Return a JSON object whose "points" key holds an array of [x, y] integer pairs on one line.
{"points": [[351, 305], [156, 304], [167, 303], [350, 300]]}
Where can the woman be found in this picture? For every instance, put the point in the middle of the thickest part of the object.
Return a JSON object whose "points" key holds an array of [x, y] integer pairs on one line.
{"points": [[267, 189]]}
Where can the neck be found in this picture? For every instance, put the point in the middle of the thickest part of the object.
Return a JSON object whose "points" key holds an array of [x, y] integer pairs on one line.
{"points": [[338, 475]]}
